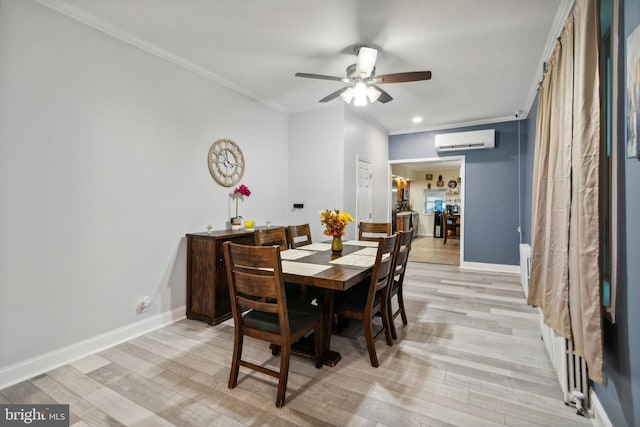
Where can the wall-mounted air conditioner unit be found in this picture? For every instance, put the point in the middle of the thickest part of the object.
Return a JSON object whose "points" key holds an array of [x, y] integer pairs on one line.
{"points": [[474, 140]]}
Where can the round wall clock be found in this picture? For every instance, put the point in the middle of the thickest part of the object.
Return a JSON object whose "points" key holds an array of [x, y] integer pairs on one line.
{"points": [[226, 162], [452, 184]]}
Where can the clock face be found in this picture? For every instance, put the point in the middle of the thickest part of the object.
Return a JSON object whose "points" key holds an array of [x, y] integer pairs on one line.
{"points": [[226, 162]]}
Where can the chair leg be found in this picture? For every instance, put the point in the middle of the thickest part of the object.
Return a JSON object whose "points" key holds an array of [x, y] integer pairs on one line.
{"points": [[392, 325], [403, 313], [235, 363], [371, 346], [387, 321], [285, 356], [275, 349]]}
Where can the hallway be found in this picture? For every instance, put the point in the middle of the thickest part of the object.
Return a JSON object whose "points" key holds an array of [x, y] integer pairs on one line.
{"points": [[434, 251]]}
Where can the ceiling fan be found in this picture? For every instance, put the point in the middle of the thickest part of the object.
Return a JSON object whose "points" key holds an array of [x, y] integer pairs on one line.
{"points": [[363, 83]]}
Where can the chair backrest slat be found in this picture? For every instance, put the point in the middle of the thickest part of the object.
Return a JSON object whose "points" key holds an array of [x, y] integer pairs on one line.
{"points": [[384, 266], [299, 235], [404, 247], [272, 237], [373, 230]]}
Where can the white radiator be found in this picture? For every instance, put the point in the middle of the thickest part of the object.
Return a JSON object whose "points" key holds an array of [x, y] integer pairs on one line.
{"points": [[570, 368], [525, 267]]}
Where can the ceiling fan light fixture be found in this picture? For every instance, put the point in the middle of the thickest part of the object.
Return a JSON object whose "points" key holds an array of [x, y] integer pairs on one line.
{"points": [[363, 80], [373, 94], [360, 94], [347, 95]]}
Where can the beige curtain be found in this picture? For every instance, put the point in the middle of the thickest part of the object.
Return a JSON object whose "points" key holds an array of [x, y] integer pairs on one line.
{"points": [[549, 282], [565, 264], [585, 302]]}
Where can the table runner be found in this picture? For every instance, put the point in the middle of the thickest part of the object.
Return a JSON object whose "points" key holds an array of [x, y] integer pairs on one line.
{"points": [[316, 247], [303, 268], [366, 252], [369, 243], [292, 254], [355, 260]]}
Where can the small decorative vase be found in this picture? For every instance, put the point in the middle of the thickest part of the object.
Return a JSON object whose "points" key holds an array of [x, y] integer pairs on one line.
{"points": [[336, 245], [236, 223]]}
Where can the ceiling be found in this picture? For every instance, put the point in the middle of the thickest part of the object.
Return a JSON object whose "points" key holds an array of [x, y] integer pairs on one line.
{"points": [[485, 55]]}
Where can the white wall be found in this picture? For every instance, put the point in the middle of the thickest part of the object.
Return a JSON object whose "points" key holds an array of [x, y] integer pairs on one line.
{"points": [[324, 146], [316, 158], [369, 142], [103, 169]]}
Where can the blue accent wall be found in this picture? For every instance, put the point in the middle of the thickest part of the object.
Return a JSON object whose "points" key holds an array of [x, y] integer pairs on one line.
{"points": [[491, 189], [620, 395]]}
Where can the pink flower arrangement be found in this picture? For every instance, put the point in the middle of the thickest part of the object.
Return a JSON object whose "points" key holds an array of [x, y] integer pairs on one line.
{"points": [[242, 191]]}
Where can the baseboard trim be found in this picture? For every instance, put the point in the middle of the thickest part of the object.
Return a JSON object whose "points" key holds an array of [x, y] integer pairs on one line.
{"points": [[599, 415], [497, 268], [29, 368]]}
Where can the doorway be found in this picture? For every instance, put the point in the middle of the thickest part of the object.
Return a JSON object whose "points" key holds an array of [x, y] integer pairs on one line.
{"points": [[364, 201], [435, 187]]}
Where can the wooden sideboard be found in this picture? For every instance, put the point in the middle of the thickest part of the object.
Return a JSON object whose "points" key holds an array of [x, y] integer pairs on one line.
{"points": [[207, 286]]}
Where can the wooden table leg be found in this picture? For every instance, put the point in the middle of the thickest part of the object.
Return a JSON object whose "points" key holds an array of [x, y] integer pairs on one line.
{"points": [[304, 347], [331, 358]]}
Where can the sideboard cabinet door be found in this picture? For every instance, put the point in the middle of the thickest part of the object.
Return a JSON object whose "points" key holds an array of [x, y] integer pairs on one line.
{"points": [[207, 286]]}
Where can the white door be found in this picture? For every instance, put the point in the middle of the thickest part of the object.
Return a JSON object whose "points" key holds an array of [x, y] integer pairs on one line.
{"points": [[364, 200]]}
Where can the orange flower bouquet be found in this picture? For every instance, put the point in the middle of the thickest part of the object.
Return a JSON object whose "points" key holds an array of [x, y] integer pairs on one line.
{"points": [[334, 223]]}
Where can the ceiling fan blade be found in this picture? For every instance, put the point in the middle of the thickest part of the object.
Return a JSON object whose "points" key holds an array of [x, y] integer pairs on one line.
{"points": [[366, 61], [384, 96], [410, 76], [334, 95], [320, 76]]}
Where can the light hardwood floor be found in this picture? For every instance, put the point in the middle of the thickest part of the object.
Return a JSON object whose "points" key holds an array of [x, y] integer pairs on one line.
{"points": [[470, 356], [433, 250]]}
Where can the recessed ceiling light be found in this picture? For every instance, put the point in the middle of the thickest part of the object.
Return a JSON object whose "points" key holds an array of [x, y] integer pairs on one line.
{"points": [[417, 119]]}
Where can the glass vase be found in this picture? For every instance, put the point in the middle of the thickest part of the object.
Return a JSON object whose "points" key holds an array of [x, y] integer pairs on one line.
{"points": [[336, 245]]}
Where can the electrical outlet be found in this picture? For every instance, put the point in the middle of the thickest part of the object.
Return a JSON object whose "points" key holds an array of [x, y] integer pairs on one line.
{"points": [[143, 304]]}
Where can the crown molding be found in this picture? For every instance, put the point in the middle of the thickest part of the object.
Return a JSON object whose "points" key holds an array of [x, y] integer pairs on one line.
{"points": [[90, 20], [458, 125], [565, 8]]}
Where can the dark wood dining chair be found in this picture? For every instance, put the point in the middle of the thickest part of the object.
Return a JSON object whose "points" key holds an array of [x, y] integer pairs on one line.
{"points": [[365, 302], [255, 282], [396, 283], [299, 235], [451, 227], [272, 237], [296, 293], [373, 230]]}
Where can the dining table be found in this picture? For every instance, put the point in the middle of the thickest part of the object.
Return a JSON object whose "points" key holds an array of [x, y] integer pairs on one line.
{"points": [[316, 265]]}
